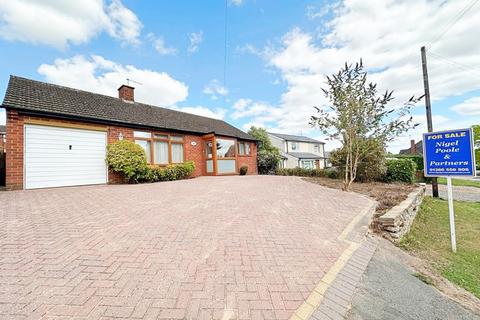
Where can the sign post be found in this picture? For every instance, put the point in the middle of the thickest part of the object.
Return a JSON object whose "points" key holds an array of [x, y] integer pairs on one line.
{"points": [[448, 154]]}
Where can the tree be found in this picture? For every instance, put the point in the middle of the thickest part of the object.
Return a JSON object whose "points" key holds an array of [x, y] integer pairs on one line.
{"points": [[357, 114], [268, 156], [476, 141]]}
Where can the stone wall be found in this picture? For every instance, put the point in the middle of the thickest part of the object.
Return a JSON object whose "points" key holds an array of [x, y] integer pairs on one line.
{"points": [[398, 220]]}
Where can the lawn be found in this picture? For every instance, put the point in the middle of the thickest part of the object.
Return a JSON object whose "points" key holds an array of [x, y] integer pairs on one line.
{"points": [[460, 182], [429, 239]]}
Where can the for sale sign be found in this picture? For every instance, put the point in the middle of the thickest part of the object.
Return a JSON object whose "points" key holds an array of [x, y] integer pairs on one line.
{"points": [[449, 153]]}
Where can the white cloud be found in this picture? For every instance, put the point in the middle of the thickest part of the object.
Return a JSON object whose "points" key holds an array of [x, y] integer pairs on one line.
{"points": [[235, 2], [99, 75], [196, 38], [204, 111], [60, 23], [214, 89], [469, 107], [160, 46], [248, 108], [388, 36], [3, 116], [313, 12]]}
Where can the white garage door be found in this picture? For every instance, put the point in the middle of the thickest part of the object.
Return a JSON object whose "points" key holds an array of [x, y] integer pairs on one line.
{"points": [[57, 157]]}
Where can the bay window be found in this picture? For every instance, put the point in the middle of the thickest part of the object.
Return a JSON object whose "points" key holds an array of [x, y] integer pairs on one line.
{"points": [[161, 149], [226, 161]]}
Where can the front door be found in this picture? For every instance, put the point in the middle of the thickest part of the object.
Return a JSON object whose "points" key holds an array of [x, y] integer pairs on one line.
{"points": [[208, 151]]}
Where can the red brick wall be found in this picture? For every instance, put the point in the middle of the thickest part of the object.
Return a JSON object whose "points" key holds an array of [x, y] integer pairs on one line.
{"points": [[195, 153], [249, 161], [2, 143], [14, 149]]}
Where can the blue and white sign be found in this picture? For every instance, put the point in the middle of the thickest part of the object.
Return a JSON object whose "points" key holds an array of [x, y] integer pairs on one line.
{"points": [[449, 153]]}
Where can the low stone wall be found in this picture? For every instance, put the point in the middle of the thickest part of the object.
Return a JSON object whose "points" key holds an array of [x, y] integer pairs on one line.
{"points": [[398, 220]]}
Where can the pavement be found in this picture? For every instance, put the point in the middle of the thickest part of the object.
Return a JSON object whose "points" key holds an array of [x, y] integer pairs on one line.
{"points": [[460, 193], [240, 247], [389, 290]]}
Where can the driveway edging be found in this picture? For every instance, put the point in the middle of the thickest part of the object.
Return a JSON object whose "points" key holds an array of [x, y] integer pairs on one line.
{"points": [[320, 295]]}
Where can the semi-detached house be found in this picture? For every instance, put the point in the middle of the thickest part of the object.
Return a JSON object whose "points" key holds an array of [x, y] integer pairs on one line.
{"points": [[57, 136]]}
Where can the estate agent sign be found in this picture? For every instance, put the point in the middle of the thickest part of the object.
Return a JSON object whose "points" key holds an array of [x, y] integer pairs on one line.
{"points": [[447, 154]]}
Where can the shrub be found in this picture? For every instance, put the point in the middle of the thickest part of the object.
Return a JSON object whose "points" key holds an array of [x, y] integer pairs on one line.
{"points": [[169, 173], [371, 165], [243, 170], [267, 161], [127, 158], [301, 172], [418, 159], [331, 173], [400, 170]]}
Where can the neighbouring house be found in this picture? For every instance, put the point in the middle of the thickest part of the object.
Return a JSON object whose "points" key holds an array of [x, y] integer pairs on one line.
{"points": [[57, 136], [415, 148], [299, 151]]}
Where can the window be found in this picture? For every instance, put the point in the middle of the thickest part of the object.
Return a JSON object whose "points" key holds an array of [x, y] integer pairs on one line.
{"points": [[160, 152], [177, 152], [294, 145], [165, 148], [307, 164], [142, 134], [244, 148], [145, 144], [225, 148], [316, 148]]}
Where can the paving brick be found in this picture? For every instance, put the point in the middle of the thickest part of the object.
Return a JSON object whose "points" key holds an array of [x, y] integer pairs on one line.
{"points": [[244, 247]]}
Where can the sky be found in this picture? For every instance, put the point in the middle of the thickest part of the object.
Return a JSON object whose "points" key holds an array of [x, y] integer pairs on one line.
{"points": [[270, 70]]}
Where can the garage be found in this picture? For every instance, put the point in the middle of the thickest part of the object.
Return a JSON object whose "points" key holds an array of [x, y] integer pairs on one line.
{"points": [[59, 157]]}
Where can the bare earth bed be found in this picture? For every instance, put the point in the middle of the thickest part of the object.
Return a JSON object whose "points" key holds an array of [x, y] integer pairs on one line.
{"points": [[387, 195]]}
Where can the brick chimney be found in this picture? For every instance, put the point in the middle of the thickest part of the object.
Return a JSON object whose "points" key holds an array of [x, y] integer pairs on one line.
{"points": [[126, 93], [413, 148]]}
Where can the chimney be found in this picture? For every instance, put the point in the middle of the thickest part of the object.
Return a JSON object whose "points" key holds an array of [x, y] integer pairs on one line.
{"points": [[413, 149], [126, 93]]}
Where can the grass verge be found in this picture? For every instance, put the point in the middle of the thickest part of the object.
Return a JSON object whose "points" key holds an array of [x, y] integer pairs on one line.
{"points": [[429, 239], [460, 182]]}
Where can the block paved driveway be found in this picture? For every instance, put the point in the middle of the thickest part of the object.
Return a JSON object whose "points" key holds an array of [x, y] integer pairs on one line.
{"points": [[207, 248]]}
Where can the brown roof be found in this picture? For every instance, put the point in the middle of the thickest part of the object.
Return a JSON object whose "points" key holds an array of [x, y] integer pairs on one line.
{"points": [[48, 99]]}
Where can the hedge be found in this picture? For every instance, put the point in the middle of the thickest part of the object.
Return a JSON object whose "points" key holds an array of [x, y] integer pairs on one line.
{"points": [[301, 172], [400, 170], [169, 173], [418, 159]]}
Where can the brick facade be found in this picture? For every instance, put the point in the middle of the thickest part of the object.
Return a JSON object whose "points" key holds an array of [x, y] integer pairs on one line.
{"points": [[15, 149], [249, 161]]}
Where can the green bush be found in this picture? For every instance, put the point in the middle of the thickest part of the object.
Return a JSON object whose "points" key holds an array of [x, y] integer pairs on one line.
{"points": [[127, 158], [169, 173], [267, 161], [371, 165], [331, 173], [301, 172], [400, 170], [418, 159], [243, 170]]}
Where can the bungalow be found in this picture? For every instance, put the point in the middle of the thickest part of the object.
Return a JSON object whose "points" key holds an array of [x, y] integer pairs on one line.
{"points": [[57, 136]]}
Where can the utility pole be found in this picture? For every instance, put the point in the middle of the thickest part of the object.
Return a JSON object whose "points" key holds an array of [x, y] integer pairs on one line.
{"points": [[429, 110]]}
